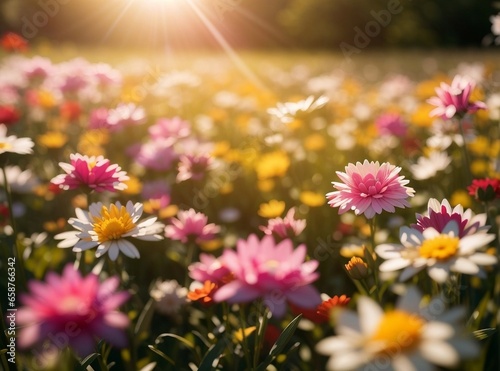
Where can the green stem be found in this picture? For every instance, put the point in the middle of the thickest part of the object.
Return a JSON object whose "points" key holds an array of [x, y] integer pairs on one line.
{"points": [[15, 246], [465, 153], [372, 260], [260, 335], [244, 336]]}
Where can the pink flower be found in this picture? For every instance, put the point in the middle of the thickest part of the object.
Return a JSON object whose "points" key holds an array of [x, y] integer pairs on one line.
{"points": [[209, 268], [174, 128], [156, 155], [485, 190], [193, 167], [71, 310], [96, 173], [275, 272], [99, 119], [391, 124], [440, 214], [370, 188], [125, 114], [286, 227], [190, 225], [454, 100]]}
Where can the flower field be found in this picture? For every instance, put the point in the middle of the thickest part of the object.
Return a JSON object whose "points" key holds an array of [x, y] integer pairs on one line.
{"points": [[249, 212]]}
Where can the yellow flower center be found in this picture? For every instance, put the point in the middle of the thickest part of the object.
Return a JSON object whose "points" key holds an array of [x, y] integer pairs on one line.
{"points": [[441, 247], [112, 224], [397, 331], [5, 146]]}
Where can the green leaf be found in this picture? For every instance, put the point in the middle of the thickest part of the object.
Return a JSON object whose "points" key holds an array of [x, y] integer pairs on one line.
{"points": [[89, 359], [484, 333], [161, 354], [280, 344], [184, 341], [144, 320], [213, 353]]}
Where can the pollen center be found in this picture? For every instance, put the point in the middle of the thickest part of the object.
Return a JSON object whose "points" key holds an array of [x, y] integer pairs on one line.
{"points": [[5, 146], [397, 331], [441, 247], [112, 224]]}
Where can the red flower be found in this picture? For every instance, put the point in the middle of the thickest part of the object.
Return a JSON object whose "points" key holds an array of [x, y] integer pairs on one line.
{"points": [[9, 115], [485, 190], [70, 110], [204, 294], [12, 42]]}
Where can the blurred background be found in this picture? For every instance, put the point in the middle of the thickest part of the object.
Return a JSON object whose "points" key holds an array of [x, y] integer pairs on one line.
{"points": [[251, 24]]}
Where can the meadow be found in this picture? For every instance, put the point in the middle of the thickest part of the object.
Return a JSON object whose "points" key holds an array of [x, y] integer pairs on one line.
{"points": [[175, 211]]}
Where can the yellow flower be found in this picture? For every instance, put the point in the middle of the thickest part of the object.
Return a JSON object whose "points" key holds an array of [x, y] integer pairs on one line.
{"points": [[91, 142], [52, 139], [272, 209], [211, 245], [221, 148], [314, 142], [479, 167], [312, 199], [134, 185], [240, 334], [461, 197], [479, 146], [46, 99], [421, 117], [265, 185], [350, 251], [357, 268], [272, 164]]}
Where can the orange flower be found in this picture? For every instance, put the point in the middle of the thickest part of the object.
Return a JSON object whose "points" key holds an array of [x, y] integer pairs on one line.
{"points": [[325, 308], [204, 294], [12, 42]]}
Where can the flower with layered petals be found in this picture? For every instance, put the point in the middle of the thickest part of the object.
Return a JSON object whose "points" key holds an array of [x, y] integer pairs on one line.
{"points": [[438, 251], [191, 225], [81, 308], [95, 173], [277, 273], [109, 228], [324, 310], [453, 100], [14, 144], [369, 188], [286, 227], [439, 214], [193, 167], [405, 338], [485, 190], [203, 294]]}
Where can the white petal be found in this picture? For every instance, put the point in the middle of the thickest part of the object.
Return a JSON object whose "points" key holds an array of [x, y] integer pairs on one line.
{"points": [[440, 353], [334, 344], [348, 323], [438, 274], [389, 250], [394, 264], [128, 249], [346, 361], [370, 314], [412, 361], [483, 259], [438, 331], [113, 251], [464, 265], [409, 272], [473, 242]]}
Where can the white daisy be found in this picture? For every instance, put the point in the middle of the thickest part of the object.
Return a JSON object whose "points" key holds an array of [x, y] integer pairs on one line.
{"points": [[405, 338], [428, 167], [14, 144], [439, 252], [108, 228], [169, 297], [286, 112]]}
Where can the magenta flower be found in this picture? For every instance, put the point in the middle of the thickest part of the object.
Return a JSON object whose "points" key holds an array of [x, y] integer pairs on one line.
{"points": [[174, 128], [96, 173], [71, 310], [275, 272], [191, 226], [370, 188], [391, 124], [440, 214], [286, 227], [99, 119], [193, 167], [454, 100]]}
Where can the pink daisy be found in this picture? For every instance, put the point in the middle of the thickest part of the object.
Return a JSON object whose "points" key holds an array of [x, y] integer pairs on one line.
{"points": [[454, 100], [391, 124], [71, 310], [286, 227], [190, 225], [439, 214], [174, 128], [209, 268], [275, 272], [369, 188], [96, 173]]}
